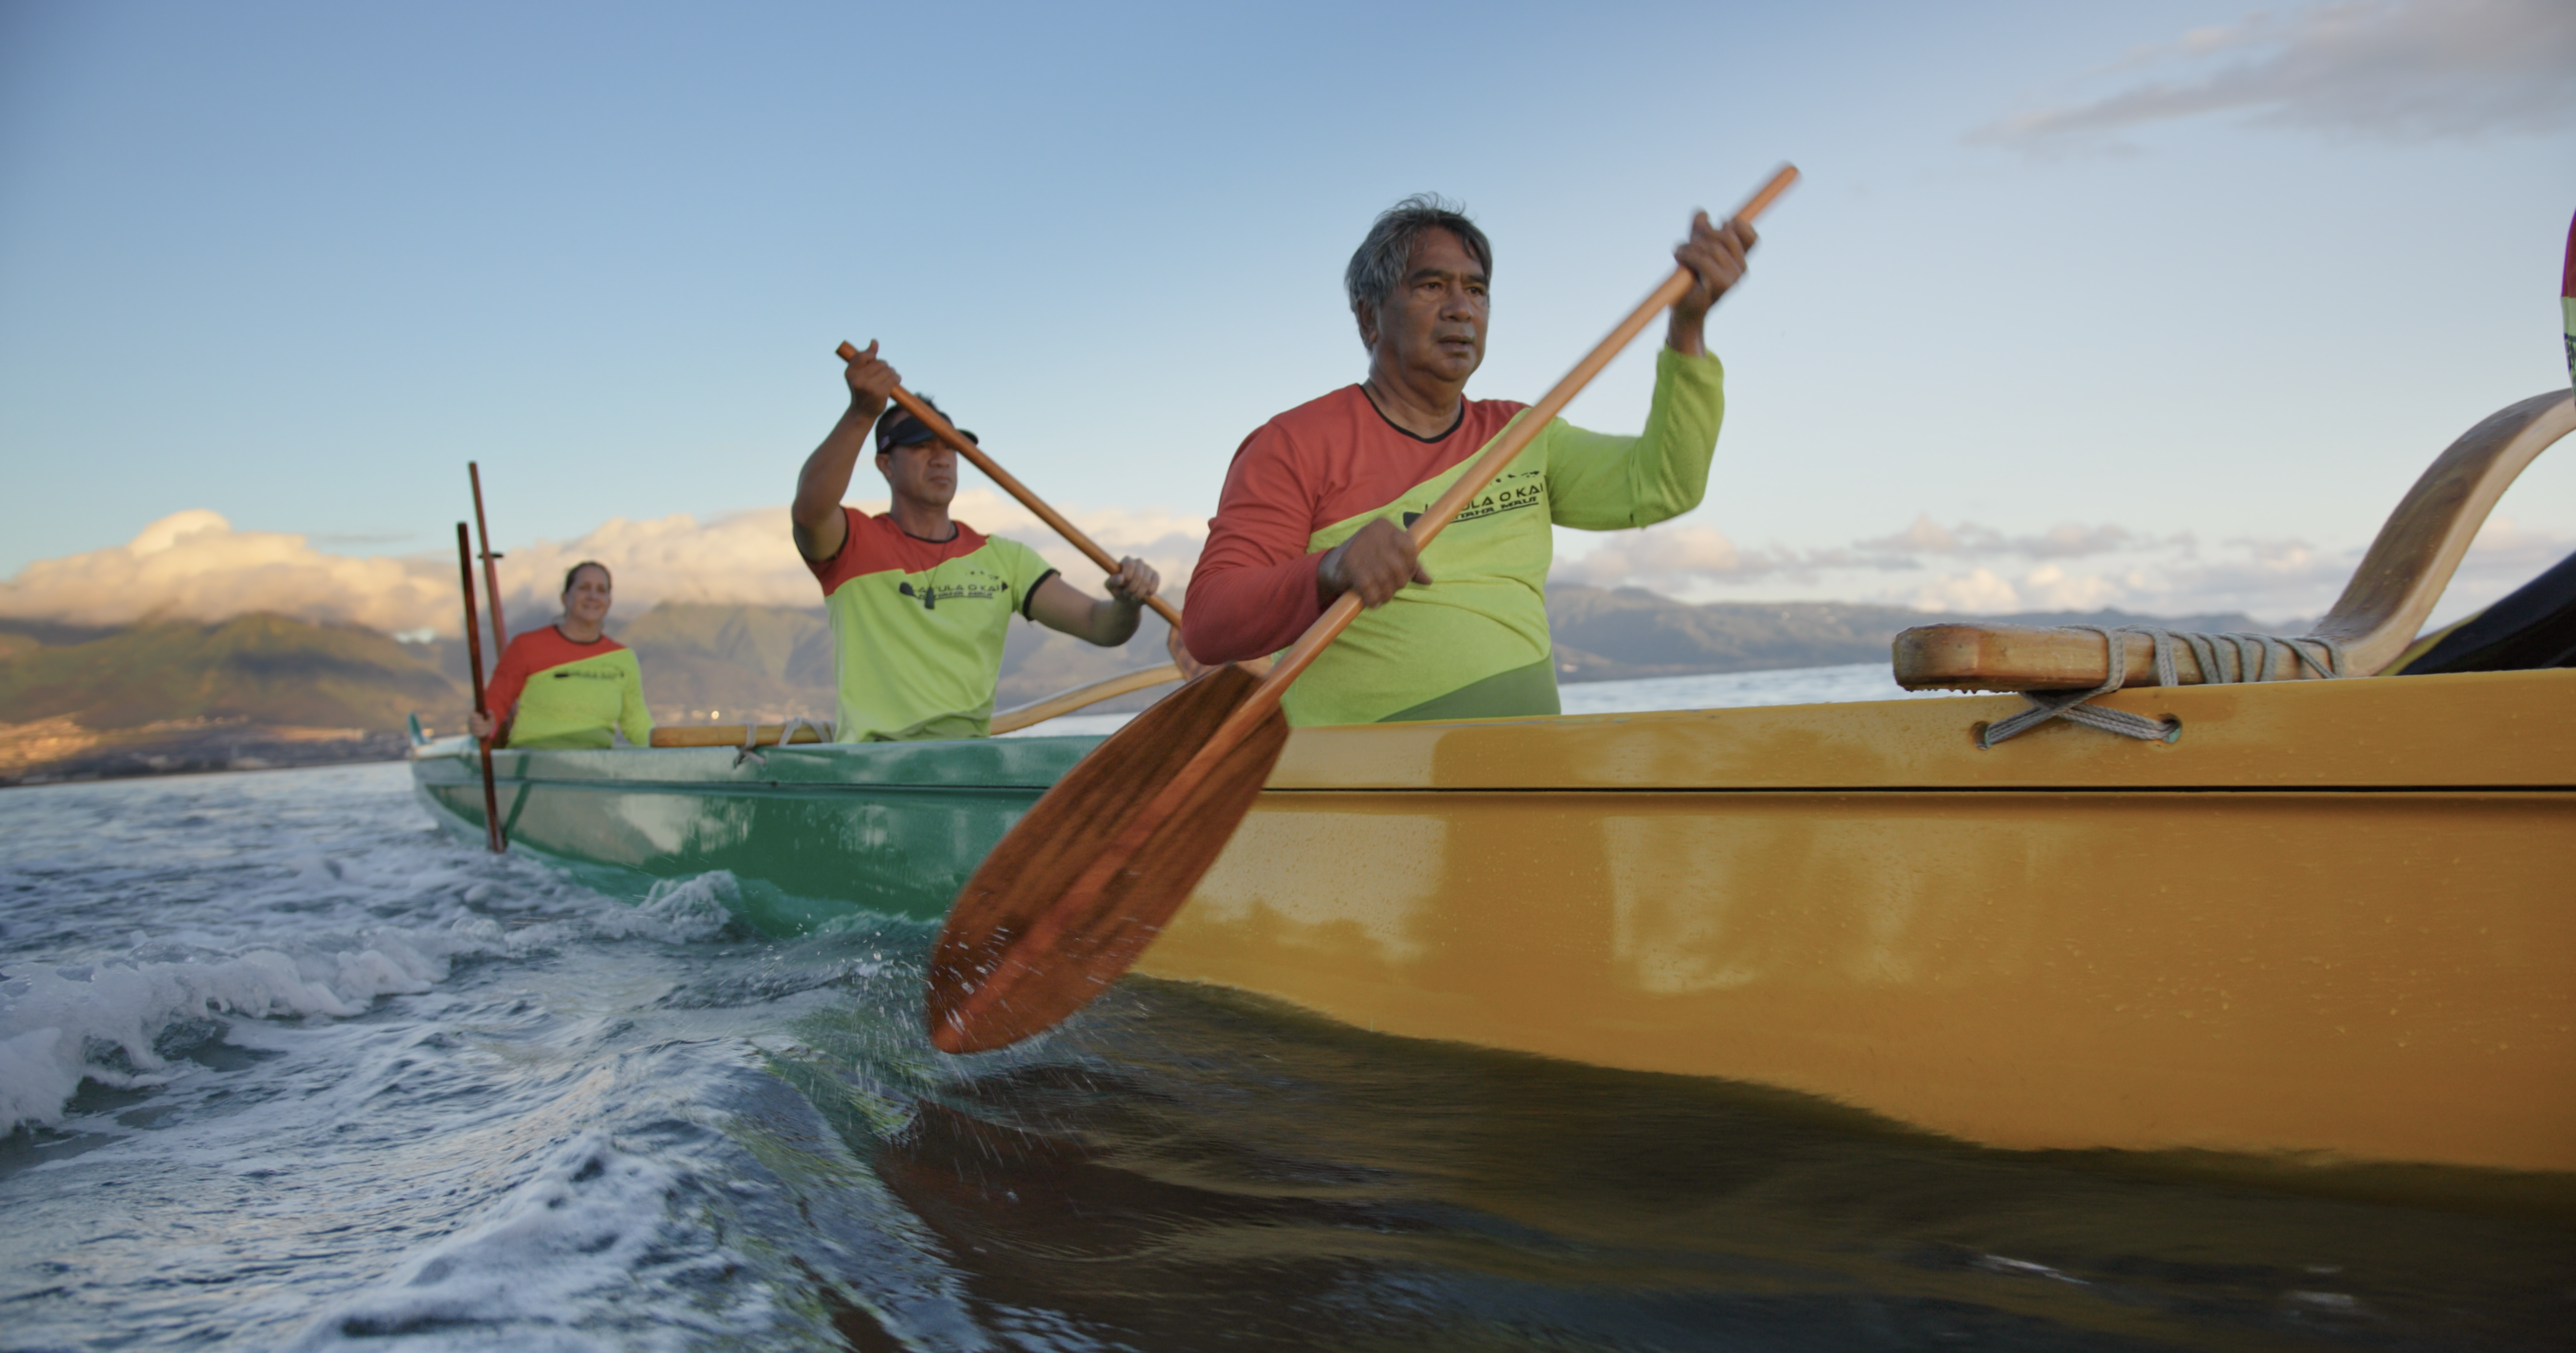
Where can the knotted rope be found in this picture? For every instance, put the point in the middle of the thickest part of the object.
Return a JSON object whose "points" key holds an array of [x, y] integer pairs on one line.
{"points": [[2224, 661], [751, 744]]}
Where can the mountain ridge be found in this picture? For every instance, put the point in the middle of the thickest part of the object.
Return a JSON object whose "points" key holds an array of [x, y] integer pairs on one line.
{"points": [[264, 689]]}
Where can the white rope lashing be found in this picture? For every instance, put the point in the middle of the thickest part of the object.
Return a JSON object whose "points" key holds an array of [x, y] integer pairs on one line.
{"points": [[750, 748], [2225, 660]]}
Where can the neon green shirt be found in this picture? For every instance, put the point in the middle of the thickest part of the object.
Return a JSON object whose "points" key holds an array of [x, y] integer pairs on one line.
{"points": [[1475, 642], [558, 693], [918, 626]]}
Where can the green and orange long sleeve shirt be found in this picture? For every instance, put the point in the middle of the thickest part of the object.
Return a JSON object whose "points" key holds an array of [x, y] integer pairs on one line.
{"points": [[1475, 642]]}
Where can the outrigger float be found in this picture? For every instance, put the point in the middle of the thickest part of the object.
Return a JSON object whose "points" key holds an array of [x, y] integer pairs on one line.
{"points": [[2329, 918]]}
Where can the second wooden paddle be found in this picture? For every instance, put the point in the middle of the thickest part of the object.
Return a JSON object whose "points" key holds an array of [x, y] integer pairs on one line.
{"points": [[474, 664], [946, 432], [491, 574], [1081, 885]]}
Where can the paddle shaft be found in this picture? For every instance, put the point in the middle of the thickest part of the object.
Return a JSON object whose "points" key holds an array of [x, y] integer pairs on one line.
{"points": [[1264, 698], [1083, 697], [947, 432], [474, 665], [491, 575]]}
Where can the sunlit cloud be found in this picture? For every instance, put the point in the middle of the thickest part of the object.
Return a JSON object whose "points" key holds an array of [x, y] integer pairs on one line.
{"points": [[749, 557], [1970, 568], [1668, 557], [1684, 556], [2067, 540], [195, 565], [2380, 68]]}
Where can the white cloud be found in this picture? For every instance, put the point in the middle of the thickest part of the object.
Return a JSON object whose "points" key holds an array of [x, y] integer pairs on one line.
{"points": [[2067, 540], [193, 565], [2388, 68], [1685, 557], [1667, 557], [2269, 580], [1976, 592]]}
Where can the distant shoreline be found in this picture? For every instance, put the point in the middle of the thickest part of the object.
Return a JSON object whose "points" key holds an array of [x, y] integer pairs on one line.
{"points": [[270, 692], [60, 751]]}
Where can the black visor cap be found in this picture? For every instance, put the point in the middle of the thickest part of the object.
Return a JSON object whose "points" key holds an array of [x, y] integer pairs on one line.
{"points": [[899, 428]]}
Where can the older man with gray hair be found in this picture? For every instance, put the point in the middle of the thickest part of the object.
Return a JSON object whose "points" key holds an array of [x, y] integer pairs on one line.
{"points": [[1318, 497]]}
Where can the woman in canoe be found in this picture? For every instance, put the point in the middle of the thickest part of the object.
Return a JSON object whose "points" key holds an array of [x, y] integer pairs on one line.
{"points": [[569, 684]]}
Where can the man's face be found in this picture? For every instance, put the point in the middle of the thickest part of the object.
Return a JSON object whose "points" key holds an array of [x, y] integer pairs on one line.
{"points": [[925, 472], [1435, 322]]}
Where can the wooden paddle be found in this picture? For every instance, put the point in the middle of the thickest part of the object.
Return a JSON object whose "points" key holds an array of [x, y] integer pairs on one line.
{"points": [[491, 575], [1083, 883], [942, 429], [1065, 702], [474, 664]]}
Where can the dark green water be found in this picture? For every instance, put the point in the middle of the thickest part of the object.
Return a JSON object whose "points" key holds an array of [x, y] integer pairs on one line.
{"points": [[289, 1069], [1188, 1169]]}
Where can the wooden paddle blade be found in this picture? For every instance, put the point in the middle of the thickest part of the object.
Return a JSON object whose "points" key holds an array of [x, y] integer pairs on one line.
{"points": [[1024, 948]]}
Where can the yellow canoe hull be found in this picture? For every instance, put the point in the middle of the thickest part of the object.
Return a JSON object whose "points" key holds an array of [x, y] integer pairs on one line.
{"points": [[2335, 918]]}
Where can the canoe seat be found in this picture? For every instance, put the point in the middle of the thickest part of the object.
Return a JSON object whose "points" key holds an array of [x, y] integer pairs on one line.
{"points": [[740, 734], [2370, 626], [1988, 657]]}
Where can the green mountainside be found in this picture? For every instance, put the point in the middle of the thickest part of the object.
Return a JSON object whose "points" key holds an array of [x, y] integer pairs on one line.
{"points": [[704, 662], [252, 692], [264, 669]]}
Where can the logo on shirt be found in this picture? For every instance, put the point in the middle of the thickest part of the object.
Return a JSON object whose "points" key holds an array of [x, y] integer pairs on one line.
{"points": [[981, 587], [567, 673], [1508, 493]]}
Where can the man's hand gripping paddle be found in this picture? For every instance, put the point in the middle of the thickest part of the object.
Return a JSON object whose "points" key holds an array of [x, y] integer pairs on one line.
{"points": [[946, 432], [1073, 895]]}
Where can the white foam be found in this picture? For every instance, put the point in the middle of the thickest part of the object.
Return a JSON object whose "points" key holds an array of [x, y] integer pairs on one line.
{"points": [[562, 1249], [100, 1022], [302, 941], [677, 911]]}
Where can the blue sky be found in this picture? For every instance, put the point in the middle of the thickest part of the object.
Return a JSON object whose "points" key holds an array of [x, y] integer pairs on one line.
{"points": [[2054, 268]]}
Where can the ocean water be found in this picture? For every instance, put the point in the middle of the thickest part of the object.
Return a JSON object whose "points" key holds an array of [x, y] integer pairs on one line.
{"points": [[284, 1067]]}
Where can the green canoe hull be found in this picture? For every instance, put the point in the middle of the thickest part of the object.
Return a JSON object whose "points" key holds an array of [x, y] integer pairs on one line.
{"points": [[810, 834]]}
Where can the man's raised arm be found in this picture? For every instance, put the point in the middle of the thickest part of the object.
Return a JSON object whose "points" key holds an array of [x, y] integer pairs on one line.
{"points": [[821, 529], [1598, 482], [1059, 605]]}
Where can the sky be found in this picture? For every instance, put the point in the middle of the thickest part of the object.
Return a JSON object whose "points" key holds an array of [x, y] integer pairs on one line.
{"points": [[2151, 305]]}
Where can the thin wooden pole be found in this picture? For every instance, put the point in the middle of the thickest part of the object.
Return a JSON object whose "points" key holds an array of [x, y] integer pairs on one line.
{"points": [[491, 575], [474, 664], [947, 432]]}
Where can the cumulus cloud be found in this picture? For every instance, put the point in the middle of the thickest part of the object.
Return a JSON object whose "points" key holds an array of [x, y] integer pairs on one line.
{"points": [[2048, 587], [2269, 579], [1667, 556], [1970, 568], [194, 565], [747, 557], [2068, 540], [2384, 68], [1682, 556]]}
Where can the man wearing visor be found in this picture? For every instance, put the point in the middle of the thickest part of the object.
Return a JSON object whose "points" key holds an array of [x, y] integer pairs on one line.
{"points": [[920, 602]]}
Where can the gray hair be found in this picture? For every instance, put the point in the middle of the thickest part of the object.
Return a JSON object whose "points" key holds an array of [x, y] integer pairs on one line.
{"points": [[1378, 265]]}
